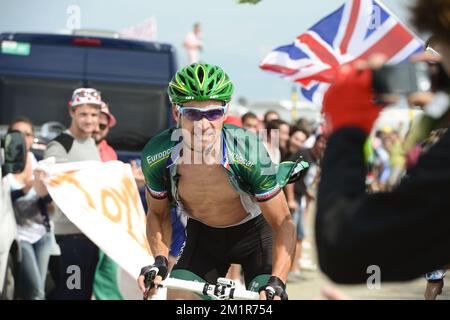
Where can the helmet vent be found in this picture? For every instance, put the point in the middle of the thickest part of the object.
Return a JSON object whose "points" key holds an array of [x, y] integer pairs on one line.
{"points": [[183, 79], [200, 74], [192, 86], [178, 92]]}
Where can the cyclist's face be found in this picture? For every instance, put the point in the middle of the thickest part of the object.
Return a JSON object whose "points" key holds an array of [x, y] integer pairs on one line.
{"points": [[85, 117], [202, 133]]}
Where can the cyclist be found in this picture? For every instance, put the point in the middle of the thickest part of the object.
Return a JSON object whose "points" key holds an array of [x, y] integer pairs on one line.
{"points": [[222, 178]]}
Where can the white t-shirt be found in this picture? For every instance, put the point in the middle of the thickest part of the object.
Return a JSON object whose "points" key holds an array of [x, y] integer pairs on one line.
{"points": [[192, 43]]}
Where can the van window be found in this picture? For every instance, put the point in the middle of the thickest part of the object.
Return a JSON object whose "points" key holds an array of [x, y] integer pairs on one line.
{"points": [[41, 100], [140, 110]]}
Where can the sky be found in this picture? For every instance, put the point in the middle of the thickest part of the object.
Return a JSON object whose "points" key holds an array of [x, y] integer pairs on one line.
{"points": [[236, 36]]}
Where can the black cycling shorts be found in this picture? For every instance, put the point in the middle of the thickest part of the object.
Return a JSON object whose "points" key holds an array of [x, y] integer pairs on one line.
{"points": [[208, 252]]}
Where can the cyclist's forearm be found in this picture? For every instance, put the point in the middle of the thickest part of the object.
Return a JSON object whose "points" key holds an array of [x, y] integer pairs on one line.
{"points": [[283, 250], [159, 232]]}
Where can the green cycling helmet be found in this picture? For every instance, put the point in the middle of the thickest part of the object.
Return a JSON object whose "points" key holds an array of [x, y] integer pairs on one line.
{"points": [[200, 81]]}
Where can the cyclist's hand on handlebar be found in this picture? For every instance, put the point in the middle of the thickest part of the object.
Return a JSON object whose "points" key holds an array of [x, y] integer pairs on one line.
{"points": [[275, 289], [151, 290], [263, 296], [151, 276]]}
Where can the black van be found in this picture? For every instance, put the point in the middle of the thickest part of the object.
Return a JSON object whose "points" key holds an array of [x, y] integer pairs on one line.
{"points": [[38, 73]]}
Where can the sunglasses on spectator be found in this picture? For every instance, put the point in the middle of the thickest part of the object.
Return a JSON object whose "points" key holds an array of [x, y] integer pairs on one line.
{"points": [[102, 126], [196, 114]]}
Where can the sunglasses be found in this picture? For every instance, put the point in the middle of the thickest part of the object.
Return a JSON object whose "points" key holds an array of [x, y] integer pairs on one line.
{"points": [[197, 114], [102, 126]]}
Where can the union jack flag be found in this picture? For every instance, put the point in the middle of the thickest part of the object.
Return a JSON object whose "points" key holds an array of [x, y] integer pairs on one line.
{"points": [[358, 29]]}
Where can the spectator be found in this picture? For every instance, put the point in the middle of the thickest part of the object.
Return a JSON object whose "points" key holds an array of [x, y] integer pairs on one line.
{"points": [[30, 200], [193, 44], [403, 232], [75, 144], [277, 139], [105, 122]]}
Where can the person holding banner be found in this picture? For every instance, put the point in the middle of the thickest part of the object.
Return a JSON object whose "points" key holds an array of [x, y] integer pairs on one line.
{"points": [[222, 178], [75, 144], [401, 234]]}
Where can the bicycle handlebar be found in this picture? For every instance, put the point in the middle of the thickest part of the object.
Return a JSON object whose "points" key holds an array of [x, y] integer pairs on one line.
{"points": [[223, 290]]}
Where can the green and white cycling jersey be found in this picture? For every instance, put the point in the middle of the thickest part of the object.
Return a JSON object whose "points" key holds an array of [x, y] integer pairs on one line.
{"points": [[244, 158]]}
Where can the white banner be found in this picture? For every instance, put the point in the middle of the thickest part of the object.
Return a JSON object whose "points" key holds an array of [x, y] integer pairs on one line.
{"points": [[102, 200]]}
